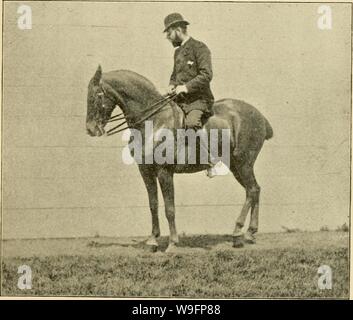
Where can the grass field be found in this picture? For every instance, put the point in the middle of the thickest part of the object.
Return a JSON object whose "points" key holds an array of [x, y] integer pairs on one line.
{"points": [[279, 265]]}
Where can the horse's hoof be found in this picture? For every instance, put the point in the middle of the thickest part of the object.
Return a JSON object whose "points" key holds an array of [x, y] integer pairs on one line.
{"points": [[152, 244], [172, 248], [238, 241], [152, 241], [249, 238]]}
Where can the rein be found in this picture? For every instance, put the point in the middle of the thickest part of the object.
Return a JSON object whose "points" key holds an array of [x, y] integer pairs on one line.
{"points": [[165, 100]]}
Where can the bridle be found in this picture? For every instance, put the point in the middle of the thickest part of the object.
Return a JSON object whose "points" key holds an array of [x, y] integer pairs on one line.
{"points": [[164, 101]]}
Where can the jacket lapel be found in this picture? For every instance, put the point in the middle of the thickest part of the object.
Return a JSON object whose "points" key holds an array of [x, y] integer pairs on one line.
{"points": [[186, 47]]}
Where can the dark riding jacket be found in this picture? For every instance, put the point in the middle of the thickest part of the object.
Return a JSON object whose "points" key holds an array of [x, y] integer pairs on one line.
{"points": [[193, 68]]}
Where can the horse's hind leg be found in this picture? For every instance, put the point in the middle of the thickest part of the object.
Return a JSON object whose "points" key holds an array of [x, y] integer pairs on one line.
{"points": [[150, 180], [165, 178], [238, 237], [243, 171], [255, 200], [254, 217]]}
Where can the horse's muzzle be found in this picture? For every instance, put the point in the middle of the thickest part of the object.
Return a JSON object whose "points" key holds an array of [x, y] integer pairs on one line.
{"points": [[95, 130]]}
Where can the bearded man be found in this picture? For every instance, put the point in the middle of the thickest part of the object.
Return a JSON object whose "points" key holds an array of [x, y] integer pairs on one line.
{"points": [[190, 79], [192, 72]]}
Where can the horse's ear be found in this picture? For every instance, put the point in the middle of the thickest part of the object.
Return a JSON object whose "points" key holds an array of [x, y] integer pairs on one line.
{"points": [[97, 76]]}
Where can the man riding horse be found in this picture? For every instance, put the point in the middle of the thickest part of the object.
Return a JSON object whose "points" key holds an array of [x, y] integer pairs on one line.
{"points": [[191, 76], [139, 101]]}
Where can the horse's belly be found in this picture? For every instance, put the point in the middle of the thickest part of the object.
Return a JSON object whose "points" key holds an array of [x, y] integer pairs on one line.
{"points": [[189, 168]]}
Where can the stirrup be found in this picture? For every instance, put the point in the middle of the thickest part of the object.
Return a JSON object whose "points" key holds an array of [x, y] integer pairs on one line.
{"points": [[217, 169], [211, 172]]}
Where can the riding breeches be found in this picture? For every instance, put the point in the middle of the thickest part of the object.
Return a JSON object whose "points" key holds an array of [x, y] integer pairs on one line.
{"points": [[196, 112], [193, 119]]}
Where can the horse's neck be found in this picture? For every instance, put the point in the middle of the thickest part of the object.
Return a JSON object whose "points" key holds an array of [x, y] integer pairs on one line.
{"points": [[133, 99], [136, 98]]}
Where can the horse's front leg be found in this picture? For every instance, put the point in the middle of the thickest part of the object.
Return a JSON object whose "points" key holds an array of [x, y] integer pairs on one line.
{"points": [[165, 177], [150, 179]]}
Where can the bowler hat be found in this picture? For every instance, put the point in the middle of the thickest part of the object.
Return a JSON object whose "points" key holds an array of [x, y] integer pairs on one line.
{"points": [[172, 19]]}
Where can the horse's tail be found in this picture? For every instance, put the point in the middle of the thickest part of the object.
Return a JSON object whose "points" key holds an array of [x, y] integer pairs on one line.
{"points": [[269, 130]]}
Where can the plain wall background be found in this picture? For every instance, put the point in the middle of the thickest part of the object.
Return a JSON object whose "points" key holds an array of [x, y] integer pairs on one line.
{"points": [[59, 182]]}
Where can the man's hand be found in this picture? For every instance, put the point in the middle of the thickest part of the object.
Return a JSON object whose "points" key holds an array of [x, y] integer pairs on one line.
{"points": [[170, 89], [181, 89]]}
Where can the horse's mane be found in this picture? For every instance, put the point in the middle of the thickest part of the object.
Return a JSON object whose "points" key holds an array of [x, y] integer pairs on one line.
{"points": [[133, 85]]}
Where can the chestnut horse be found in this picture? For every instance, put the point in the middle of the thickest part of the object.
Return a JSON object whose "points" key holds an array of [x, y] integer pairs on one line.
{"points": [[135, 95]]}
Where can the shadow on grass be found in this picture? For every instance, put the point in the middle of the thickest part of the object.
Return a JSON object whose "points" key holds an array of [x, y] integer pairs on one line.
{"points": [[197, 241]]}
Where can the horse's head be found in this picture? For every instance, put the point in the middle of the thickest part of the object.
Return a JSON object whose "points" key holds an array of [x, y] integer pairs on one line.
{"points": [[99, 105]]}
